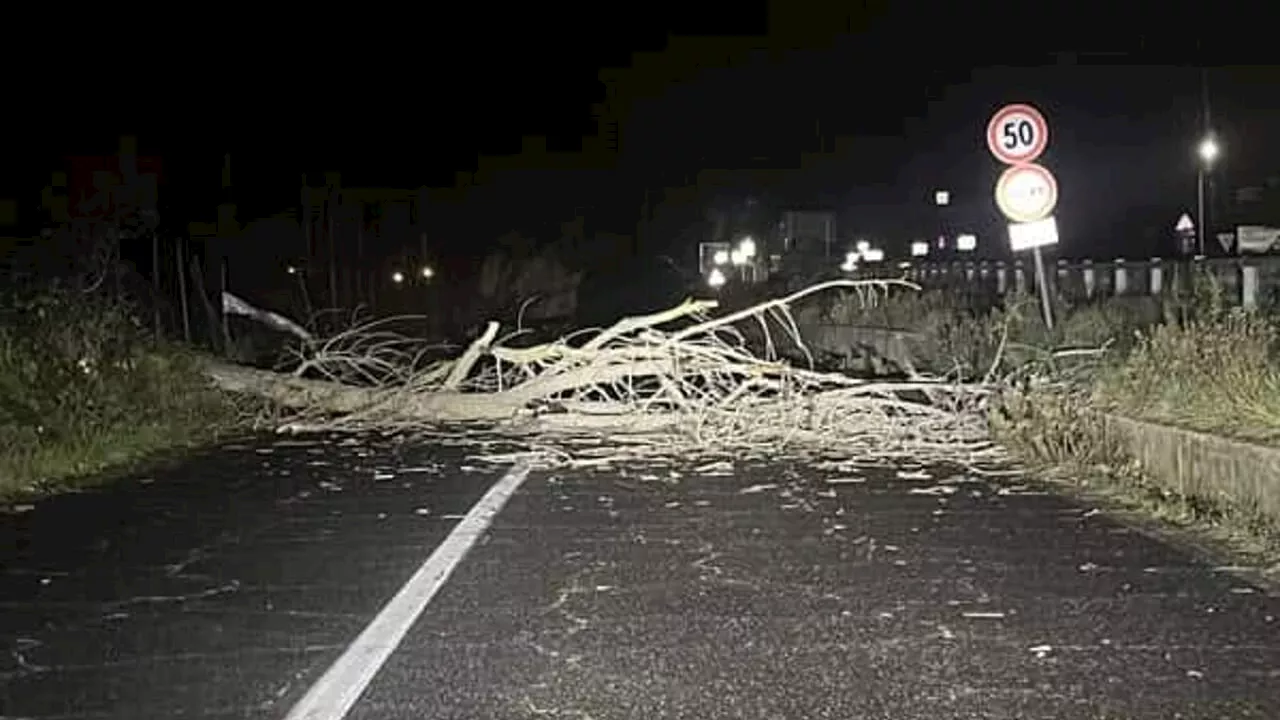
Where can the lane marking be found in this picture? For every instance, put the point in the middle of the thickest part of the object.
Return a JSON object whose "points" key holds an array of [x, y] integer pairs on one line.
{"points": [[333, 695]]}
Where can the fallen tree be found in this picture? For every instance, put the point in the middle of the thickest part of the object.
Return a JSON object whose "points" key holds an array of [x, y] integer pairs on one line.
{"points": [[678, 380]]}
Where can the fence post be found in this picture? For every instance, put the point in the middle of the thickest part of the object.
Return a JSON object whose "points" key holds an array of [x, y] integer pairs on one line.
{"points": [[1157, 276], [1249, 287], [1122, 277]]}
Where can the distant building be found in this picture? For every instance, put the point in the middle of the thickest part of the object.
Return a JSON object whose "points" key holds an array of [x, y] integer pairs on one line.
{"points": [[808, 233]]}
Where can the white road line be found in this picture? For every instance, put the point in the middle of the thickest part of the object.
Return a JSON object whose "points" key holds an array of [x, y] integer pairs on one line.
{"points": [[332, 696]]}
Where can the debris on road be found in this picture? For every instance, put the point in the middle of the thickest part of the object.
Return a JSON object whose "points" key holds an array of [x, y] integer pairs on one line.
{"points": [[674, 383]]}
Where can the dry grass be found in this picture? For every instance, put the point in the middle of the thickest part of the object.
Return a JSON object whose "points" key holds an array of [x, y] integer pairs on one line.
{"points": [[1217, 374]]}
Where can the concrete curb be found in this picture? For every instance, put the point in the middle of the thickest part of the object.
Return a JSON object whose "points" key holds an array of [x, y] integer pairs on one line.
{"points": [[1195, 464]]}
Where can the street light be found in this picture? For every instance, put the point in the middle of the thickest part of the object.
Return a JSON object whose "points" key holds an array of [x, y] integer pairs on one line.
{"points": [[941, 198], [427, 272], [1208, 152], [397, 277], [716, 278], [721, 257], [747, 247]]}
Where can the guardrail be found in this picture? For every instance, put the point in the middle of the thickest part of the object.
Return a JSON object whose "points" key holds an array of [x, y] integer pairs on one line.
{"points": [[1246, 279]]}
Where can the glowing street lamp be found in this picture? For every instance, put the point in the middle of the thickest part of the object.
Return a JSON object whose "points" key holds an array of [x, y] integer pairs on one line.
{"points": [[747, 247], [941, 198], [1208, 150], [721, 257], [715, 278], [397, 277], [427, 272], [737, 258]]}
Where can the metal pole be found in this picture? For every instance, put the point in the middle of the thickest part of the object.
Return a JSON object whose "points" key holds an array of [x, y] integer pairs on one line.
{"points": [[333, 261], [155, 278], [359, 273], [1042, 284], [182, 290], [1200, 223], [226, 325]]}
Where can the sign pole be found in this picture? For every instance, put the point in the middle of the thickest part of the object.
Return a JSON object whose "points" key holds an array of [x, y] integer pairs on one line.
{"points": [[1200, 212], [1042, 284]]}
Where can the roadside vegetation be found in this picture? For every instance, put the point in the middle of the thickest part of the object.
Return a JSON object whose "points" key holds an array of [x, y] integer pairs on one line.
{"points": [[1187, 360], [86, 387]]}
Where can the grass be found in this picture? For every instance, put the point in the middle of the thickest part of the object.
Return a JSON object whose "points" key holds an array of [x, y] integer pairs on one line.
{"points": [[1217, 375], [85, 387]]}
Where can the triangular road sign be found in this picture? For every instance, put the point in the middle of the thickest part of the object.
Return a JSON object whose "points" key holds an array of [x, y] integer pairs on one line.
{"points": [[1228, 241], [1184, 224]]}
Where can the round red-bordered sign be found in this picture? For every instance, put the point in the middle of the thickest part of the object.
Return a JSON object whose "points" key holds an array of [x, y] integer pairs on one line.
{"points": [[1026, 193], [1017, 134]]}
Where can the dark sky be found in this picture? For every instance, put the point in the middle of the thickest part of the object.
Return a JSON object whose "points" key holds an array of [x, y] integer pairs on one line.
{"points": [[864, 113]]}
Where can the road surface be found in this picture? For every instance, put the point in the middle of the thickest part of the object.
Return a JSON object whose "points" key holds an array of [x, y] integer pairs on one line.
{"points": [[243, 583]]}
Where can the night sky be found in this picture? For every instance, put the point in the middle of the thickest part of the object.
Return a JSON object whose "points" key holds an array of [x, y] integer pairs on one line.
{"points": [[861, 113]]}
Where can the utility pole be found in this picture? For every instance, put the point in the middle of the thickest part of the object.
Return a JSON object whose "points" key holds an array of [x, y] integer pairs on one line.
{"points": [[1207, 150]]}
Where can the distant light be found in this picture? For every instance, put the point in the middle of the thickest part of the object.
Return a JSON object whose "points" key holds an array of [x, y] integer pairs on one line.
{"points": [[292, 270], [905, 265], [1184, 224], [737, 258], [941, 198], [863, 246], [747, 247], [427, 272], [397, 277], [942, 242], [721, 257], [850, 262], [1209, 150], [716, 278], [966, 243], [873, 255], [919, 249]]}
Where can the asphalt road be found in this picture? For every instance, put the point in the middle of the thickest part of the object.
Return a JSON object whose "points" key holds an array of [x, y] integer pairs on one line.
{"points": [[226, 587]]}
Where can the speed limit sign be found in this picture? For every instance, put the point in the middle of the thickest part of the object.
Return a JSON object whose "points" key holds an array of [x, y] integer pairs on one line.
{"points": [[1017, 134]]}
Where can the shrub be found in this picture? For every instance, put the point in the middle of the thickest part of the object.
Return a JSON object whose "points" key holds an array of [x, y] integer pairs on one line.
{"points": [[83, 386], [1215, 374]]}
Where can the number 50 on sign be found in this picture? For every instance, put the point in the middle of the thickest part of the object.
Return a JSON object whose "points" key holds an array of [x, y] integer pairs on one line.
{"points": [[1017, 134]]}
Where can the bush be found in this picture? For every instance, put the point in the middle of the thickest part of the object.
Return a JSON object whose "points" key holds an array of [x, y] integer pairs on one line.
{"points": [[1216, 374], [84, 386]]}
